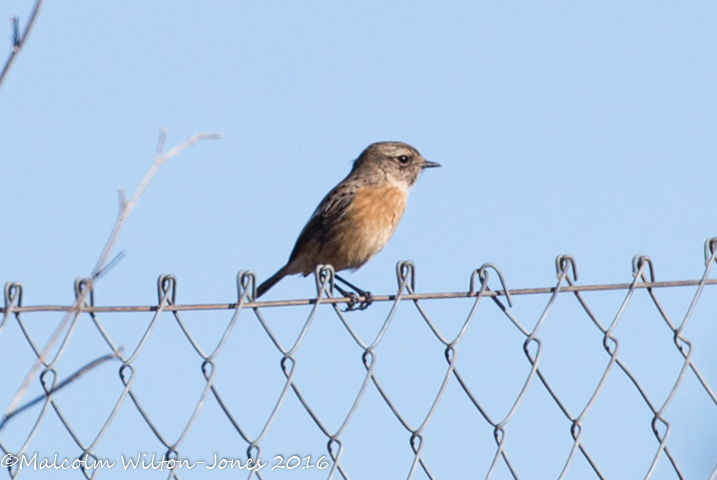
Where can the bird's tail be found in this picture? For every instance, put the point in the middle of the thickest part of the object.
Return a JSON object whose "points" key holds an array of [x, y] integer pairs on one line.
{"points": [[271, 281]]}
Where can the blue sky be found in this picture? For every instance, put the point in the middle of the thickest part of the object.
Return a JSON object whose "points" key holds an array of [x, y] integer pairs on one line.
{"points": [[585, 128]]}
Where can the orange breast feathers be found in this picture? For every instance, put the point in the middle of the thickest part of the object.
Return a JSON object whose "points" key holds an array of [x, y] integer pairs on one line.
{"points": [[371, 219]]}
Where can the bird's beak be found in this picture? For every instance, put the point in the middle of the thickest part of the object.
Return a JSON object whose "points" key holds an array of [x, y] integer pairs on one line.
{"points": [[427, 164]]}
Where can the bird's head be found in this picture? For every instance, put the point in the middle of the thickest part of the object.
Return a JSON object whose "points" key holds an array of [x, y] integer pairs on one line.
{"points": [[399, 161]]}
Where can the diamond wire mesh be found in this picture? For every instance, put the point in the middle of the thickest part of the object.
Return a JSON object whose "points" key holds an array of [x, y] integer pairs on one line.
{"points": [[451, 390]]}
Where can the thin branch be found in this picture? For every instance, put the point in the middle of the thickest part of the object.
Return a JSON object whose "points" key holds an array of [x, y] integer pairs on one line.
{"points": [[93, 364], [126, 207], [18, 41]]}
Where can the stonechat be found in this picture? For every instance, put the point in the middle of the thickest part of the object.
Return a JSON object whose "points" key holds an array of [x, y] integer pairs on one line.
{"points": [[358, 216]]}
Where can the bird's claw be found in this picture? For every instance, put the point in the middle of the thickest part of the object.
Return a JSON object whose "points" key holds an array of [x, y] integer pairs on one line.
{"points": [[368, 300], [351, 305], [355, 304]]}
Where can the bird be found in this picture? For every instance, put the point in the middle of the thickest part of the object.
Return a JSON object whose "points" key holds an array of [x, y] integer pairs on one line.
{"points": [[357, 218]]}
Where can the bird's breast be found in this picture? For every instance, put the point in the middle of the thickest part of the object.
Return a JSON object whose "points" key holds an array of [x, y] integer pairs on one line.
{"points": [[370, 222]]}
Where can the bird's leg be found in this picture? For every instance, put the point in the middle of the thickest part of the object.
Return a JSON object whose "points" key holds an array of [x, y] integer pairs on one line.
{"points": [[368, 298]]}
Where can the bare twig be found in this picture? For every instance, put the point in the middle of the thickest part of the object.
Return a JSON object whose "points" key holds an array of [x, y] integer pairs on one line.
{"points": [[126, 207], [93, 364], [18, 41]]}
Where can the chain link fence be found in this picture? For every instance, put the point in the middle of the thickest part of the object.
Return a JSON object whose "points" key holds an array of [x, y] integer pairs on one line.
{"points": [[566, 381]]}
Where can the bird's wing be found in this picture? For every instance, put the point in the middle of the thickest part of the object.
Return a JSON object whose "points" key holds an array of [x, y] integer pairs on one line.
{"points": [[329, 212]]}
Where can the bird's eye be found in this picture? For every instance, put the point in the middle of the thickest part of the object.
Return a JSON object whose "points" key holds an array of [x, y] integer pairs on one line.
{"points": [[403, 160]]}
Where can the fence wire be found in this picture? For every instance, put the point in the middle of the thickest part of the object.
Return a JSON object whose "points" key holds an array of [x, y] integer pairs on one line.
{"points": [[508, 412]]}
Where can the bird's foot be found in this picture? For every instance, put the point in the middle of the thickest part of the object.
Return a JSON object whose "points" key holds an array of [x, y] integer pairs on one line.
{"points": [[352, 304], [355, 302], [368, 300]]}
